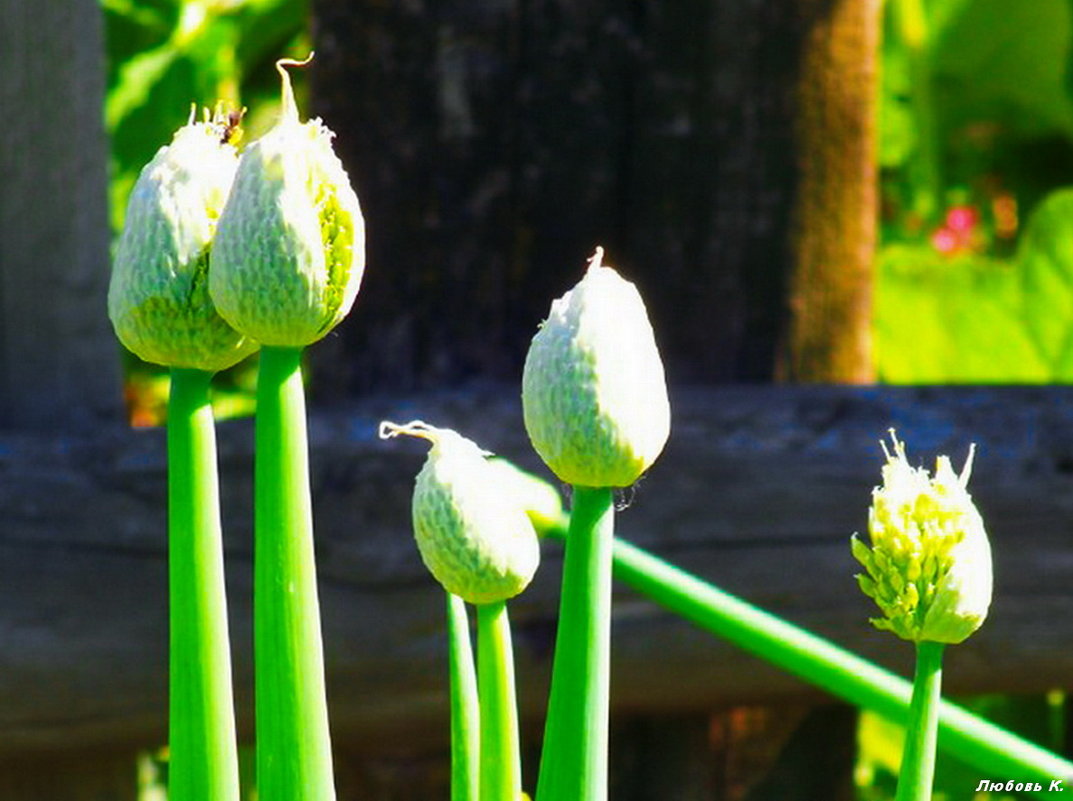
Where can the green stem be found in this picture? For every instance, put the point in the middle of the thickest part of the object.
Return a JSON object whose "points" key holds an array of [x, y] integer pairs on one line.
{"points": [[465, 706], [843, 674], [501, 764], [201, 724], [294, 761], [573, 765], [918, 759]]}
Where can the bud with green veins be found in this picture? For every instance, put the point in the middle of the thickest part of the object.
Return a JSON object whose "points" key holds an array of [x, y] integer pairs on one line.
{"points": [[929, 565], [593, 391], [158, 298], [290, 251], [474, 538]]}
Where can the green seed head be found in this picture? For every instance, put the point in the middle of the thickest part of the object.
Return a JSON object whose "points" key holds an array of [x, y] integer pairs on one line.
{"points": [[593, 392], [290, 250], [158, 298], [474, 537], [929, 567]]}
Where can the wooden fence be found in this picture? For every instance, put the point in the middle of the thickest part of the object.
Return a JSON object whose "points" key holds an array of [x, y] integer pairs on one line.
{"points": [[758, 491]]}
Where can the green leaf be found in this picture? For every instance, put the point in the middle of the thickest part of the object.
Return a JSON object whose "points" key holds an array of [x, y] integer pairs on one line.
{"points": [[1008, 61], [951, 320], [979, 320], [1045, 274], [137, 78]]}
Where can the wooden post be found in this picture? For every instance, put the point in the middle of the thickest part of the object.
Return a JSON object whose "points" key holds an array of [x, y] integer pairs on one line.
{"points": [[494, 145], [834, 225], [58, 357]]}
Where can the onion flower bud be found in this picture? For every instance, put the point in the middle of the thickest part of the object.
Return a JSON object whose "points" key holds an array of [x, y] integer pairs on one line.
{"points": [[475, 538], [158, 297], [594, 396], [929, 565], [290, 250]]}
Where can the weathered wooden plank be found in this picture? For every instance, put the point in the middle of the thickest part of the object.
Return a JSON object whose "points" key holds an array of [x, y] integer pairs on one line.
{"points": [[758, 490], [58, 358]]}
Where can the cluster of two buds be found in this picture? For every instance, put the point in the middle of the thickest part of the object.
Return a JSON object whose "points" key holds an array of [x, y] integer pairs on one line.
{"points": [[224, 252]]}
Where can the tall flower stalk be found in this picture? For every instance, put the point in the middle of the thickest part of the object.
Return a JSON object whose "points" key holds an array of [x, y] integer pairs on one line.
{"points": [[201, 723], [288, 259], [293, 744], [596, 410], [159, 304]]}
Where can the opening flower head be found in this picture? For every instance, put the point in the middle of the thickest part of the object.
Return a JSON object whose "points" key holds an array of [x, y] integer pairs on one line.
{"points": [[929, 565]]}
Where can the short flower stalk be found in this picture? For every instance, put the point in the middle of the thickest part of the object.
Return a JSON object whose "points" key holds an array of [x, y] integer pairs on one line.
{"points": [[501, 762], [465, 705], [479, 544]]}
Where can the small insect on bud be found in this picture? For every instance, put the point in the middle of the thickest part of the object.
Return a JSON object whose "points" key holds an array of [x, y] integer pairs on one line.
{"points": [[593, 392], [475, 538], [290, 250], [158, 298], [929, 567]]}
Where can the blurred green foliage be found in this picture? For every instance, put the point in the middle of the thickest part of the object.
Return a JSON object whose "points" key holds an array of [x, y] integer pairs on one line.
{"points": [[166, 57], [973, 318], [976, 134]]}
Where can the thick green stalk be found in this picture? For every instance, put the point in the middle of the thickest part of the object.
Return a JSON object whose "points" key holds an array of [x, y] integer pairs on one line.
{"points": [[573, 765], [843, 674], [465, 706], [918, 759], [201, 724], [294, 761], [501, 762]]}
